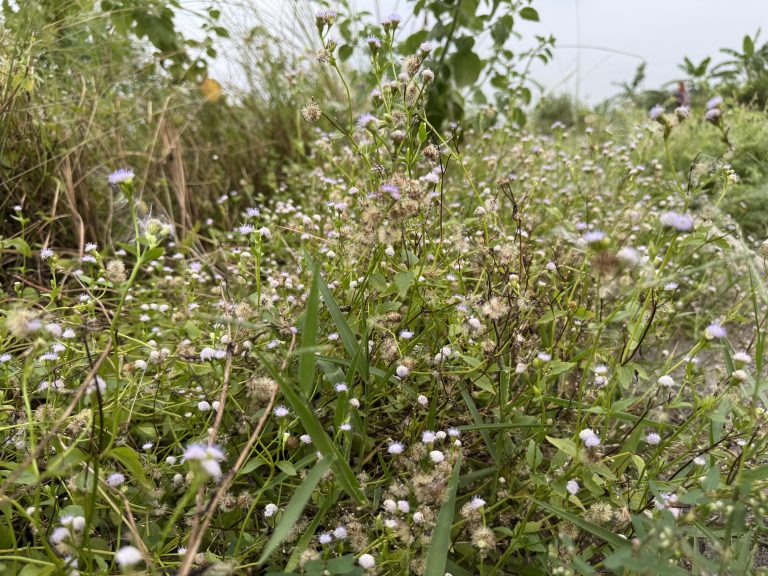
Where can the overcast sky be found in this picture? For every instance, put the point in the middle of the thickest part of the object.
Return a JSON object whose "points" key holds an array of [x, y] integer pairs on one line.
{"points": [[601, 42]]}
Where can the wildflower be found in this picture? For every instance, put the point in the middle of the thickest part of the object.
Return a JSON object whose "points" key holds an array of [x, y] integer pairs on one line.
{"points": [[714, 330], [428, 437], [714, 102], [280, 411], [203, 406], [391, 22], [653, 438], [594, 237], [246, 229], [402, 371], [208, 457], [395, 448], [340, 533], [265, 232], [305, 439], [311, 111], [5, 358], [373, 43], [366, 561], [407, 334], [681, 222], [391, 190], [46, 253], [121, 175], [682, 112], [656, 112], [367, 121], [483, 538], [589, 437], [340, 387], [116, 271], [740, 375], [741, 359], [476, 503], [128, 556], [700, 461], [436, 456], [270, 510], [713, 116], [666, 381], [403, 506], [573, 487], [207, 353], [346, 427], [543, 356], [115, 479], [325, 538]]}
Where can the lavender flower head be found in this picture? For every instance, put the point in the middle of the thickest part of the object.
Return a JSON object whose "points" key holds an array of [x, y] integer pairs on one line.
{"points": [[714, 330], [367, 121], [656, 112], [593, 236], [714, 102], [392, 21], [373, 42], [392, 190], [713, 115], [121, 175], [681, 222]]}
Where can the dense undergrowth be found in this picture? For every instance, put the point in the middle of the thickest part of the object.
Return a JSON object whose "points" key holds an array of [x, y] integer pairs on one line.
{"points": [[470, 350]]}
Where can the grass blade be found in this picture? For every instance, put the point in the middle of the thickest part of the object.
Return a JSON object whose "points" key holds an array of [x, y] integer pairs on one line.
{"points": [[309, 337], [320, 438], [347, 336], [437, 557], [613, 539], [296, 507]]}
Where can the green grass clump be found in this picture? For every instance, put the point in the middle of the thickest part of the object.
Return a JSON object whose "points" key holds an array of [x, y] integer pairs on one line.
{"points": [[477, 350]]}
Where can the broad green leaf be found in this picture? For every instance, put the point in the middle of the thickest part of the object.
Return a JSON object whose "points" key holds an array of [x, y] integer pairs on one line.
{"points": [[403, 281], [295, 507], [565, 445], [529, 13], [441, 537]]}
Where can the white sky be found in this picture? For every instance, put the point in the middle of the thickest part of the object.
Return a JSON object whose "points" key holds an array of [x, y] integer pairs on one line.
{"points": [[600, 42]]}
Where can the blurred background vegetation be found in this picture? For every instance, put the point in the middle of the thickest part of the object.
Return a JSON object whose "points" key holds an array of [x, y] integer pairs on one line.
{"points": [[88, 86]]}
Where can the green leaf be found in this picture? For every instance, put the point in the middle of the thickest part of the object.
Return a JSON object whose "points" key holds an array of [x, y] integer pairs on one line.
{"points": [[441, 537], [403, 281], [565, 445], [748, 46], [466, 67], [287, 467], [309, 336], [315, 429], [296, 506], [347, 336], [529, 13]]}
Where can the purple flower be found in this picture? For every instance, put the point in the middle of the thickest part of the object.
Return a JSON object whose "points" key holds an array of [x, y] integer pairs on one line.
{"points": [[121, 175], [681, 222], [656, 112], [391, 21], [367, 121], [593, 237], [713, 115], [373, 42], [392, 190], [714, 102], [714, 330]]}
